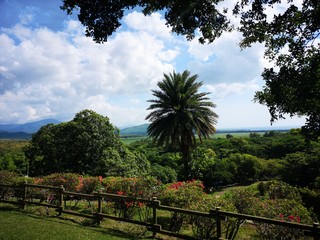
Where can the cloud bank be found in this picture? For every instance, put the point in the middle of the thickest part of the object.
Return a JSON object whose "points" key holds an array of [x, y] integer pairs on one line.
{"points": [[56, 72]]}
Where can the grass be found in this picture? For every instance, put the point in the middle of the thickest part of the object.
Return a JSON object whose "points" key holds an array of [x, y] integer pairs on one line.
{"points": [[25, 225]]}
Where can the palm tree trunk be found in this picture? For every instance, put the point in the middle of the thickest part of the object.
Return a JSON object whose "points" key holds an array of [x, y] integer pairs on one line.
{"points": [[186, 158]]}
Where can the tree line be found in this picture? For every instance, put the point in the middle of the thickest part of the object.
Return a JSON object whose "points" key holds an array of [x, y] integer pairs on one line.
{"points": [[81, 146]]}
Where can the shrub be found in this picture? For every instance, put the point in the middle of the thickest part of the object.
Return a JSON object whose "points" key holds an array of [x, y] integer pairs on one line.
{"points": [[181, 195], [274, 204], [88, 185], [311, 200], [243, 199], [284, 210], [144, 188], [69, 181], [205, 228], [8, 177], [282, 190]]}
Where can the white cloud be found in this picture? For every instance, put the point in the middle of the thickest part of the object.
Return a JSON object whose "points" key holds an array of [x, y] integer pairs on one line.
{"points": [[227, 63], [59, 73], [200, 52], [222, 90], [153, 24]]}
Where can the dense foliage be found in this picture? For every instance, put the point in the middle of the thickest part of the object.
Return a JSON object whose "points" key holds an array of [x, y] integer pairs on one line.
{"points": [[290, 36], [12, 156], [89, 144], [223, 161], [216, 162]]}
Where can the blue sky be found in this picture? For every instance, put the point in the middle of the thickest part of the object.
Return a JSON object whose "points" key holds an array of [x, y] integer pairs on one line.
{"points": [[49, 69]]}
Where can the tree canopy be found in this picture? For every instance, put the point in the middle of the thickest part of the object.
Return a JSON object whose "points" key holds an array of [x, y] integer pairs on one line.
{"points": [[89, 144], [291, 40]]}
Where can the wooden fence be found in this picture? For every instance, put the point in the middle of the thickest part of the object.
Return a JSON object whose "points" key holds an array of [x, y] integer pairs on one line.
{"points": [[22, 197]]}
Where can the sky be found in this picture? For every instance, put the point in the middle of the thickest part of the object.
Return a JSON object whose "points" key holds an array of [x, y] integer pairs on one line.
{"points": [[49, 69]]}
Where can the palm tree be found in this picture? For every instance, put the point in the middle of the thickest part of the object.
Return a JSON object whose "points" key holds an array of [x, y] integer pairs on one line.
{"points": [[180, 113]]}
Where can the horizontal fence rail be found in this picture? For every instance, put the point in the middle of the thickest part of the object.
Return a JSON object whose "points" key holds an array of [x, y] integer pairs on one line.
{"points": [[26, 192]]}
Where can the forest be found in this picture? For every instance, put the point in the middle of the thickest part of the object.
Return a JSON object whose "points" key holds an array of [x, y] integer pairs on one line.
{"points": [[79, 146]]}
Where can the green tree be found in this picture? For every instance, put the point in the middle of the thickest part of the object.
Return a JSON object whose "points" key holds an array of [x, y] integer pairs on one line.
{"points": [[248, 167], [179, 113], [292, 85], [301, 169], [88, 144]]}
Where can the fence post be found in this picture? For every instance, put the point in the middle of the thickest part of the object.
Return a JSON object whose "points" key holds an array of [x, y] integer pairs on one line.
{"points": [[99, 202], [218, 220], [155, 203], [24, 196], [61, 190], [98, 217], [316, 231]]}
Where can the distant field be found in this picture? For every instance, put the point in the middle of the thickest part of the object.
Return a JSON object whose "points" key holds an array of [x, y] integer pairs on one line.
{"points": [[235, 134], [130, 139]]}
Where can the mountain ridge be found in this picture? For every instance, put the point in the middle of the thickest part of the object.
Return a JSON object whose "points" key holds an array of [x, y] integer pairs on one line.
{"points": [[25, 131], [30, 127]]}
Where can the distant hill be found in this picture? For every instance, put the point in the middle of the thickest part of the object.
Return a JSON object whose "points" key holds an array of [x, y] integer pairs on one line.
{"points": [[135, 130], [25, 131], [27, 128], [15, 135]]}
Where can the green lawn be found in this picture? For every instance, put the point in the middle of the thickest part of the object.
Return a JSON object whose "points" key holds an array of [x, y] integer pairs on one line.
{"points": [[20, 225]]}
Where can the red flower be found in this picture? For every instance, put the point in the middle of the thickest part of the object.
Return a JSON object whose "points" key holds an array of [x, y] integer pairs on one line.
{"points": [[120, 193], [129, 204], [291, 218]]}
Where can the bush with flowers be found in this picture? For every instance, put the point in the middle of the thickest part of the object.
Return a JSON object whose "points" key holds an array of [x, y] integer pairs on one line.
{"points": [[88, 184], [276, 202], [206, 228], [69, 181], [283, 210], [145, 188], [181, 195]]}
